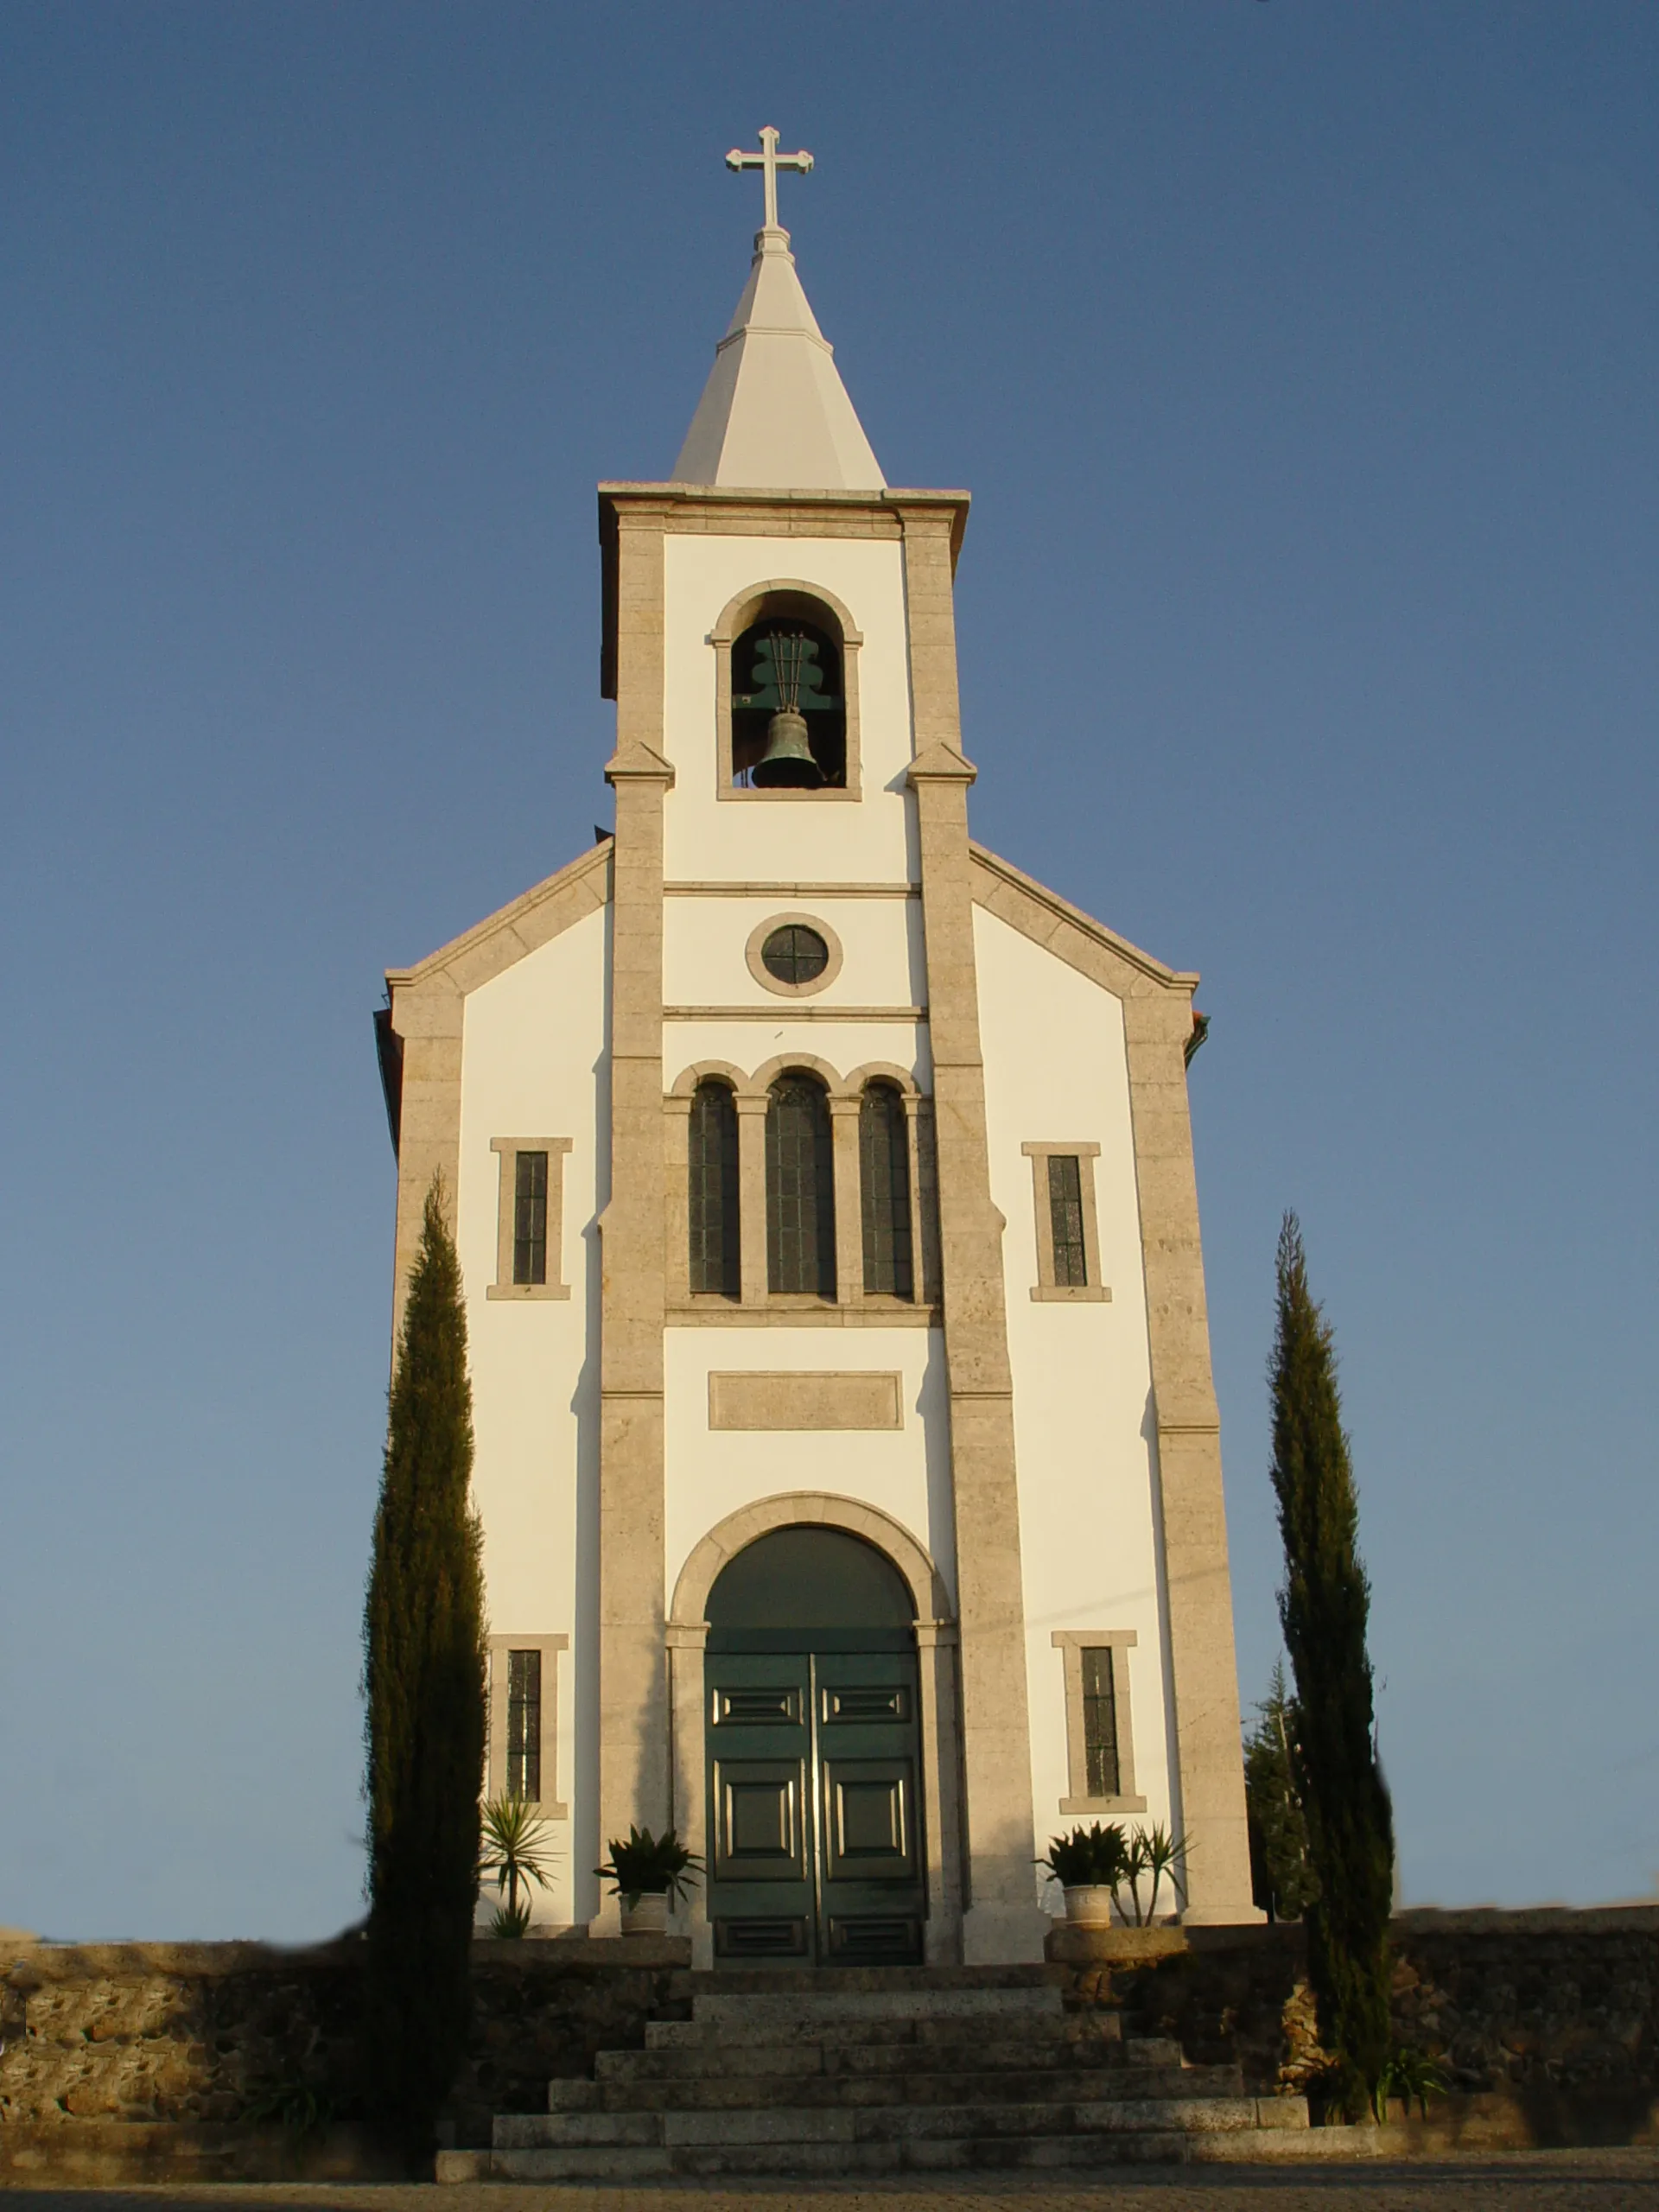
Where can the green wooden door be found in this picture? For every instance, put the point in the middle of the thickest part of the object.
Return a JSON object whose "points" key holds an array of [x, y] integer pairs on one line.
{"points": [[868, 1774], [761, 1866], [814, 1808]]}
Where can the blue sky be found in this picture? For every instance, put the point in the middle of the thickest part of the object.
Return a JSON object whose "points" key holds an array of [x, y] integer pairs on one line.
{"points": [[1301, 359]]}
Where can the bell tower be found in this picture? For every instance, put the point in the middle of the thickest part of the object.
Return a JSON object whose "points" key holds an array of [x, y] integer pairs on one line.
{"points": [[780, 642]]}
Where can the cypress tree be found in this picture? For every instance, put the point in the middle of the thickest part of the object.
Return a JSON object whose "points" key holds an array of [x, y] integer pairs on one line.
{"points": [[423, 1644], [1324, 1608]]}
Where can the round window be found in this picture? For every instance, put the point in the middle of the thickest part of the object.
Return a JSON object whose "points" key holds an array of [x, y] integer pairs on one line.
{"points": [[795, 954]]}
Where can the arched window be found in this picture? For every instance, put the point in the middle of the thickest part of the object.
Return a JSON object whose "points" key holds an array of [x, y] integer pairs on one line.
{"points": [[789, 714], [714, 1250], [800, 1188], [884, 1188]]}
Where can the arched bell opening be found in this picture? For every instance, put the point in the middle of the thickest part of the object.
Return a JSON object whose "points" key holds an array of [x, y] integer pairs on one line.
{"points": [[814, 1779], [789, 698]]}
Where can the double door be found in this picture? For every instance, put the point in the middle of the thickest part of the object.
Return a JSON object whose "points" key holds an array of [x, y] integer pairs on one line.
{"points": [[814, 1816]]}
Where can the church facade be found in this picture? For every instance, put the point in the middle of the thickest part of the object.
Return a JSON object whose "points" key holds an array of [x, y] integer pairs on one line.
{"points": [[847, 1450]]}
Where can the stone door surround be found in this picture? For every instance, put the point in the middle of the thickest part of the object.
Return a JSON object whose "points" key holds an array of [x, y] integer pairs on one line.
{"points": [[687, 1636]]}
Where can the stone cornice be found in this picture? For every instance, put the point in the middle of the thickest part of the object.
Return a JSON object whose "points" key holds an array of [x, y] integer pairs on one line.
{"points": [[514, 930]]}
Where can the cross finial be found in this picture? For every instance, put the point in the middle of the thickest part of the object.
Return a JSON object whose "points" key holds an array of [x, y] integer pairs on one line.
{"points": [[769, 160]]}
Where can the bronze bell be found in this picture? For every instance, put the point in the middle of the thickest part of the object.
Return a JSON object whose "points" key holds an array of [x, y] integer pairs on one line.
{"points": [[787, 763]]}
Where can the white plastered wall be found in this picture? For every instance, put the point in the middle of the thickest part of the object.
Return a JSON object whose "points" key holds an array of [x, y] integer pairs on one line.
{"points": [[773, 841], [1056, 1070], [904, 1472], [704, 940], [533, 1064]]}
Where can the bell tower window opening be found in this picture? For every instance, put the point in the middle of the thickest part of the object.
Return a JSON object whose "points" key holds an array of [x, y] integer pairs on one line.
{"points": [[789, 712], [884, 1192], [800, 1189], [715, 1251]]}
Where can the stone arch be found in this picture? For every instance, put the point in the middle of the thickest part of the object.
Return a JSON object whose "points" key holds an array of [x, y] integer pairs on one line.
{"points": [[739, 612], [684, 1084], [761, 1081], [800, 1509], [902, 1079]]}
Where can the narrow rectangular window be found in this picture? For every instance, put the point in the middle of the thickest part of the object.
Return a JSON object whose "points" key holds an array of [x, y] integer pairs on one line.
{"points": [[530, 1218], [523, 1753], [1065, 1214], [1099, 1723], [525, 1724]]}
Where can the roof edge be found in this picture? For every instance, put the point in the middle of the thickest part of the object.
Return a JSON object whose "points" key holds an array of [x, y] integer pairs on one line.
{"points": [[1172, 979], [506, 918]]}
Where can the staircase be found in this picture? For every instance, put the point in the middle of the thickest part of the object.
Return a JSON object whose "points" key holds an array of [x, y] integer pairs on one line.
{"points": [[883, 2071]]}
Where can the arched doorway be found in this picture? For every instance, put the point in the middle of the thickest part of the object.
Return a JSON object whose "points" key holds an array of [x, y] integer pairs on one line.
{"points": [[814, 1754]]}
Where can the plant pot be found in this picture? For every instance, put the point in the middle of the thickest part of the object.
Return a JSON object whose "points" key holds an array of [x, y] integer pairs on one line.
{"points": [[646, 1916], [1089, 1905]]}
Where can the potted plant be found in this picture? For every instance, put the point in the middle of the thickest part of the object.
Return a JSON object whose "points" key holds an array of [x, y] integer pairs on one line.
{"points": [[1088, 1864], [645, 1871], [512, 1848]]}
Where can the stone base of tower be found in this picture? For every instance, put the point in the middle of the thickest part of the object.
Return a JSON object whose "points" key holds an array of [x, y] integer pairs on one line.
{"points": [[1003, 1934]]}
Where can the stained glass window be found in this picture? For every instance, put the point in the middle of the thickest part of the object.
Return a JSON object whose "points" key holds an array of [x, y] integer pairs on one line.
{"points": [[715, 1249], [800, 1188], [884, 1188]]}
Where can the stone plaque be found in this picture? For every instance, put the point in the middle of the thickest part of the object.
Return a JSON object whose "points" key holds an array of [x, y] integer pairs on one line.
{"points": [[805, 1401]]}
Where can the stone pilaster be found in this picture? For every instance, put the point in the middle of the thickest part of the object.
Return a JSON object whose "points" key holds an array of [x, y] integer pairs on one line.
{"points": [[633, 1691], [1203, 1666], [1002, 1921]]}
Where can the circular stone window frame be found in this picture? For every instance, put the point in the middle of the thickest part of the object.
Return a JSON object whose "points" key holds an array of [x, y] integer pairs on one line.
{"points": [[768, 981]]}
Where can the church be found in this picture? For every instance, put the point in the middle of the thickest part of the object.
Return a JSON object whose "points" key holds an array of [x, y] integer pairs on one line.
{"points": [[847, 1454]]}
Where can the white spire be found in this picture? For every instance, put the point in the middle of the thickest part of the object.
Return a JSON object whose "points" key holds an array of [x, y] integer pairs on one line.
{"points": [[774, 415]]}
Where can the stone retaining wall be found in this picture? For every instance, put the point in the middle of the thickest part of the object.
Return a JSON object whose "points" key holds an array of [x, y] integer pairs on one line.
{"points": [[1547, 2022], [109, 2046], [173, 2062]]}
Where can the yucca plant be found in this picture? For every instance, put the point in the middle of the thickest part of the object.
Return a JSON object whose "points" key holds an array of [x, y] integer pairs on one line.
{"points": [[515, 1850], [1154, 1851], [1412, 2075]]}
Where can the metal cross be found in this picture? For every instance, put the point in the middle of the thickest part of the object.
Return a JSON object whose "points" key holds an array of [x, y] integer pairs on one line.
{"points": [[769, 160]]}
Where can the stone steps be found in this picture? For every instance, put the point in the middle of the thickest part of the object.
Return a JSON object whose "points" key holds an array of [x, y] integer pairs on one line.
{"points": [[725, 2061], [947, 2155], [893, 2123], [811, 2092], [895, 2070]]}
